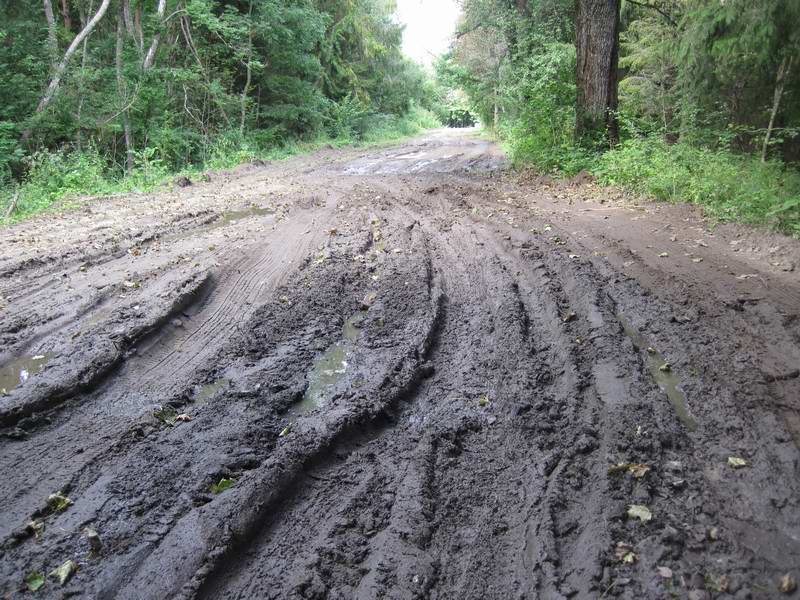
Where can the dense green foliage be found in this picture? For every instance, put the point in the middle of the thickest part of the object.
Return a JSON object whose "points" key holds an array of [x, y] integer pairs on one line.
{"points": [[701, 83], [228, 80]]}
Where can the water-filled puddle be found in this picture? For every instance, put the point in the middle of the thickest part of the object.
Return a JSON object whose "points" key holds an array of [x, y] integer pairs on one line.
{"points": [[232, 216], [20, 370], [329, 368], [204, 393], [667, 381], [226, 218]]}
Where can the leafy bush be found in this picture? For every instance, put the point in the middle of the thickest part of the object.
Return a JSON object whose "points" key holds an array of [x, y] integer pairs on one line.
{"points": [[729, 186]]}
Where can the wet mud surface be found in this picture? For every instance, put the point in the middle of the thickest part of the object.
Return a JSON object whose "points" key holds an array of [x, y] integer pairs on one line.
{"points": [[397, 373]]}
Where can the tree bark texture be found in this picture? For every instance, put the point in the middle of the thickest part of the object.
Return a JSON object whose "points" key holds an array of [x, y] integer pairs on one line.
{"points": [[122, 90], [597, 45], [52, 39], [780, 82]]}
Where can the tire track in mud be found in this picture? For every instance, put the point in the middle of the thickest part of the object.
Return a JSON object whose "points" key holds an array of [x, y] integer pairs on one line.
{"points": [[464, 448]]}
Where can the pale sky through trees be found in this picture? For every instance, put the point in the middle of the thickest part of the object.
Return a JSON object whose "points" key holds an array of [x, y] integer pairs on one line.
{"points": [[430, 25]]}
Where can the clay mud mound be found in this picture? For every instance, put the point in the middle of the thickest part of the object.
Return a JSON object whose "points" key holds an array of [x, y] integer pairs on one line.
{"points": [[396, 373]]}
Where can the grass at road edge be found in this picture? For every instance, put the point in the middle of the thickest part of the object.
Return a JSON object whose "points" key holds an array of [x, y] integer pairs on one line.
{"points": [[60, 182]]}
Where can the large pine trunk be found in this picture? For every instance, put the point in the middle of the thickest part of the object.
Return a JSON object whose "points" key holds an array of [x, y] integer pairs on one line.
{"points": [[597, 45]]}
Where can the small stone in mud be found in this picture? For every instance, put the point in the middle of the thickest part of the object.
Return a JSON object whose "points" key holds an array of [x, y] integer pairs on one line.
{"points": [[93, 538], [177, 323]]}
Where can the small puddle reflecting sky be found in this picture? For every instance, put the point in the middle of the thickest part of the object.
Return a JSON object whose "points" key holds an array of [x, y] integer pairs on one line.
{"points": [[20, 370], [667, 381], [329, 368]]}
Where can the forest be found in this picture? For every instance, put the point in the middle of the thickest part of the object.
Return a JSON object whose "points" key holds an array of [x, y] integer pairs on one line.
{"points": [[99, 96], [700, 101]]}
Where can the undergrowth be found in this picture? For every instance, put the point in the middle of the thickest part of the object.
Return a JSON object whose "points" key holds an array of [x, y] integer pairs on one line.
{"points": [[729, 186]]}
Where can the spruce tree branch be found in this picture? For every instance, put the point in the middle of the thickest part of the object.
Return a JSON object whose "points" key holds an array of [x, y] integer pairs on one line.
{"points": [[659, 10]]}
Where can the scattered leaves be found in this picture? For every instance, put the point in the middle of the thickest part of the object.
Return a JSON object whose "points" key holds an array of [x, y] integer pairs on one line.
{"points": [[651, 350], [58, 502], [665, 368], [285, 431], [34, 581], [63, 573], [568, 316], [131, 284], [735, 462], [224, 484], [183, 418], [637, 470], [788, 584], [638, 511]]}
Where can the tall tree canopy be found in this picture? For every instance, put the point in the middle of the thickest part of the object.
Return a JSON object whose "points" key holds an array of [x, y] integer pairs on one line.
{"points": [[141, 80]]}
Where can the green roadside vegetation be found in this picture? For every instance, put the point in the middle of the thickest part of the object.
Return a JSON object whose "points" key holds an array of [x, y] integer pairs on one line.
{"points": [[708, 107], [144, 91]]}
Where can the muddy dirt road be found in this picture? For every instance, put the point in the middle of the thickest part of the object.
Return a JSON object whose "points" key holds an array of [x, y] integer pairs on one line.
{"points": [[397, 373]]}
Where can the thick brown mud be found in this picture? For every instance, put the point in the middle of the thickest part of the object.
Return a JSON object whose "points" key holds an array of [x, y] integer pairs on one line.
{"points": [[398, 373]]}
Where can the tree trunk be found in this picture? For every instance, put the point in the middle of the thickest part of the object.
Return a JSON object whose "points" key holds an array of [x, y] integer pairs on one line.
{"points": [[123, 94], [249, 66], [780, 82], [55, 82], [66, 15], [151, 53], [597, 45], [82, 13], [52, 39]]}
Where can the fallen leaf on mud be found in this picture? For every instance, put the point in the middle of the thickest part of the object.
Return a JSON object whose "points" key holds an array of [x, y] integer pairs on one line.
{"points": [[624, 553], [166, 414], [568, 316], [548, 227], [332, 232], [35, 527], [788, 584], [285, 431], [63, 573], [224, 484], [574, 256], [736, 463], [483, 400], [34, 581], [368, 300], [747, 276], [718, 584], [663, 255], [183, 418], [58, 502], [131, 284], [664, 572], [579, 340], [638, 511], [651, 350], [697, 260], [666, 368], [638, 470], [283, 299]]}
